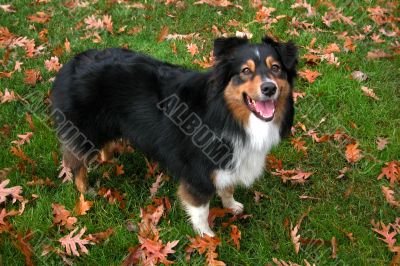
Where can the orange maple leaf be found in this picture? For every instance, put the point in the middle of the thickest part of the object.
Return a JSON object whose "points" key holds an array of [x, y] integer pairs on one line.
{"points": [[53, 64], [163, 34], [208, 245], [391, 171], [82, 205], [192, 49], [353, 153], [236, 235], [32, 76], [309, 75]]}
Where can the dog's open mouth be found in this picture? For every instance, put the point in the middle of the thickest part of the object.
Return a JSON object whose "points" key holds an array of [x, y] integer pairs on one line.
{"points": [[264, 110]]}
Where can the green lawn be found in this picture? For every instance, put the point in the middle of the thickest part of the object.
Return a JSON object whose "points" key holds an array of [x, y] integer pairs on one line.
{"points": [[342, 206]]}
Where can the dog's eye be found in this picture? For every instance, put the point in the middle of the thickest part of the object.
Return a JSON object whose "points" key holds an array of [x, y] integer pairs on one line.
{"points": [[246, 71], [275, 68]]}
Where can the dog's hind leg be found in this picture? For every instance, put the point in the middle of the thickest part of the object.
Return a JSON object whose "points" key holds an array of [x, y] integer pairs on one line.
{"points": [[77, 168], [228, 201]]}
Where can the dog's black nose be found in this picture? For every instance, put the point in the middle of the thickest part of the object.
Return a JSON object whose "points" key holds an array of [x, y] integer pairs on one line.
{"points": [[268, 88]]}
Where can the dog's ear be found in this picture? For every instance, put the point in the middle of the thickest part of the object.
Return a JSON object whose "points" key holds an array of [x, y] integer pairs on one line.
{"points": [[287, 51], [225, 46]]}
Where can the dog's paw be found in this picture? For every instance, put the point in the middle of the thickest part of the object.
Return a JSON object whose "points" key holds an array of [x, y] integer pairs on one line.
{"points": [[205, 230], [235, 206]]}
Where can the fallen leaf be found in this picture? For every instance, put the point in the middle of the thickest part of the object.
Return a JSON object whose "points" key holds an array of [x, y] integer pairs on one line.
{"points": [[22, 243], [23, 138], [377, 54], [52, 64], [163, 33], [41, 182], [359, 76], [381, 143], [14, 192], [8, 96], [156, 185], [369, 92], [100, 236], [39, 17], [388, 237], [343, 172], [299, 145], [119, 169], [4, 172], [235, 236], [294, 176], [295, 237], [297, 95], [28, 119], [309, 75], [192, 49], [112, 196], [70, 242], [334, 248], [32, 76], [348, 45], [389, 195], [207, 245], [7, 8], [82, 205], [391, 171], [353, 153], [62, 216], [258, 195]]}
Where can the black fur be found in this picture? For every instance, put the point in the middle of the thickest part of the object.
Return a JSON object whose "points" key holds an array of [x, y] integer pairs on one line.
{"points": [[113, 93]]}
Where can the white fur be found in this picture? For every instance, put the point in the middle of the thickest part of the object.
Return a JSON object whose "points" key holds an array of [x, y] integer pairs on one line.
{"points": [[199, 218], [230, 203], [249, 157]]}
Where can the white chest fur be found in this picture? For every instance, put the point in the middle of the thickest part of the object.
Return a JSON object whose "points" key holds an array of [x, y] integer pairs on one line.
{"points": [[249, 157]]}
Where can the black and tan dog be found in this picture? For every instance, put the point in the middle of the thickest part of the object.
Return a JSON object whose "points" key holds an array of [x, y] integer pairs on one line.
{"points": [[211, 130]]}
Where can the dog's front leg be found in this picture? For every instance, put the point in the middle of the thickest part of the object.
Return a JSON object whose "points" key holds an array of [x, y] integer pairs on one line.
{"points": [[196, 207]]}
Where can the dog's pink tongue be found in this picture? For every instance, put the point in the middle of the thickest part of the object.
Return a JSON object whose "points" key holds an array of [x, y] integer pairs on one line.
{"points": [[266, 108]]}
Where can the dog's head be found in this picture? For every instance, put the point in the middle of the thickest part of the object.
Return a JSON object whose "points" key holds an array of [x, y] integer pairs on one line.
{"points": [[256, 78]]}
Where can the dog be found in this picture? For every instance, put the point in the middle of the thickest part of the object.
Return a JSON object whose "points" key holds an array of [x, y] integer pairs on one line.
{"points": [[210, 130]]}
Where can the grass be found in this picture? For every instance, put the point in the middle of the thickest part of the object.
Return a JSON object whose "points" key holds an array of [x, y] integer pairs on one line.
{"points": [[347, 204]]}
